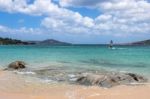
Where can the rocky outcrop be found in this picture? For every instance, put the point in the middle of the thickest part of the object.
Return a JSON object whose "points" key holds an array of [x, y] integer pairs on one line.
{"points": [[110, 80], [82, 77], [17, 65], [90, 78]]}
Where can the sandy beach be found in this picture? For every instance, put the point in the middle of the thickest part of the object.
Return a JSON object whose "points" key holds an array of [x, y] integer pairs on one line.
{"points": [[74, 49], [15, 87], [83, 93]]}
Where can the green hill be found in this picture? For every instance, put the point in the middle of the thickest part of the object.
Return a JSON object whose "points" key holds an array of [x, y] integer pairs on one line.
{"points": [[9, 41], [145, 42]]}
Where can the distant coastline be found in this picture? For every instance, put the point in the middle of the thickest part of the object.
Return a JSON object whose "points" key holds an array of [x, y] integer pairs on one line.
{"points": [[10, 41]]}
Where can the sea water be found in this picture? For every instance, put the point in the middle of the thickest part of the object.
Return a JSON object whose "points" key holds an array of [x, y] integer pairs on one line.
{"points": [[134, 59]]}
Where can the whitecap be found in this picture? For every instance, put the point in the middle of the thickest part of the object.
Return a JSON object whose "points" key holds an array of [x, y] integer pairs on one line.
{"points": [[71, 75], [26, 73]]}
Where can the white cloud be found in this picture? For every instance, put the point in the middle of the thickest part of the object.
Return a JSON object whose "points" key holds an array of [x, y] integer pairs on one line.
{"points": [[129, 16], [56, 18], [22, 30], [3, 28], [104, 17], [118, 17], [80, 3]]}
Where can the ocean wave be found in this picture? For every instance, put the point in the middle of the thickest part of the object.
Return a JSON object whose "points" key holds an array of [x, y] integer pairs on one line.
{"points": [[116, 48], [25, 72]]}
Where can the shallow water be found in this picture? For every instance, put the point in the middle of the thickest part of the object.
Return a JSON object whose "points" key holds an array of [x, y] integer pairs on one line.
{"points": [[134, 59]]}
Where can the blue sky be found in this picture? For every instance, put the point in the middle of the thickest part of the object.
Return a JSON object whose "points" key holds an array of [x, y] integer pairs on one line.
{"points": [[76, 21]]}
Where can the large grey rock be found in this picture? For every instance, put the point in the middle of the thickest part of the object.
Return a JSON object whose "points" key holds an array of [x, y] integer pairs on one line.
{"points": [[110, 80], [17, 65], [89, 79]]}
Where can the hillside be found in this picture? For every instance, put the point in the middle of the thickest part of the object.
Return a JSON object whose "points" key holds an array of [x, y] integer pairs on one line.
{"points": [[9, 41], [145, 42], [52, 42]]}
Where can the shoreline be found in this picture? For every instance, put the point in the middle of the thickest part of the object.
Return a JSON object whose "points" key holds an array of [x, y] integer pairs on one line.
{"points": [[15, 87], [81, 92]]}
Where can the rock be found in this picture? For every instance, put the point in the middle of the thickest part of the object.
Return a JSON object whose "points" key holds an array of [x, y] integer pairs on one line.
{"points": [[137, 78], [110, 80], [17, 65], [89, 79]]}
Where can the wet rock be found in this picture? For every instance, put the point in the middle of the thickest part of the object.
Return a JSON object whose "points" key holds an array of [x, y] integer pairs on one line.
{"points": [[89, 79], [137, 78], [17, 65], [110, 80]]}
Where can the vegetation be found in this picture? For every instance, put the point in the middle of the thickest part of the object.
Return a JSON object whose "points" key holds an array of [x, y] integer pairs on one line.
{"points": [[145, 42], [9, 41], [52, 42]]}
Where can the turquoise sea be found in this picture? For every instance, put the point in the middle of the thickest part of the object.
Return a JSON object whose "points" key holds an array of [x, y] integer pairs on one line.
{"points": [[134, 59]]}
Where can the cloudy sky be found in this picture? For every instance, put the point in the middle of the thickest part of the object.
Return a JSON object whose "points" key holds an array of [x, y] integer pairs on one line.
{"points": [[76, 21]]}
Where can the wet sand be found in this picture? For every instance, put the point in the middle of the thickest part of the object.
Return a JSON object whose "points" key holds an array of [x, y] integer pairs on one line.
{"points": [[15, 87]]}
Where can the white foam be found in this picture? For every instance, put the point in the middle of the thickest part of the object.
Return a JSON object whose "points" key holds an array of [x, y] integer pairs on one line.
{"points": [[73, 79], [71, 75], [27, 73]]}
